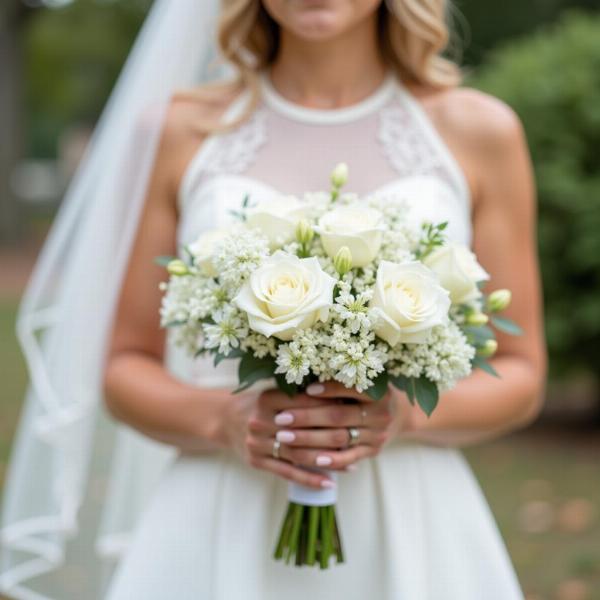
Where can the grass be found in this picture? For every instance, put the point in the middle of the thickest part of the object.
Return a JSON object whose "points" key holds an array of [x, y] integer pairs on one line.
{"points": [[533, 481]]}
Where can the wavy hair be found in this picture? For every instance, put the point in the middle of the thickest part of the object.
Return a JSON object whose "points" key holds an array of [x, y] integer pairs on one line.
{"points": [[413, 34]]}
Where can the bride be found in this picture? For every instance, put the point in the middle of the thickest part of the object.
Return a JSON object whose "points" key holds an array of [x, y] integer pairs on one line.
{"points": [[181, 492]]}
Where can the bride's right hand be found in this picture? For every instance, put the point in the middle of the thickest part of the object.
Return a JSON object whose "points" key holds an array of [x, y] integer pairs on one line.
{"points": [[243, 428]]}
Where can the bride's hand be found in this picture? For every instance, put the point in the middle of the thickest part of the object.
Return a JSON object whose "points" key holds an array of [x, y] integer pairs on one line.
{"points": [[248, 427], [318, 436]]}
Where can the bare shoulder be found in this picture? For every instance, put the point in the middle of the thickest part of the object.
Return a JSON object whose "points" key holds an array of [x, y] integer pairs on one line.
{"points": [[188, 108], [477, 120], [183, 130]]}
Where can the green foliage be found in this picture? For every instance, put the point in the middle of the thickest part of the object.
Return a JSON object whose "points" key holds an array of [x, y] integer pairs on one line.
{"points": [[490, 23], [552, 80], [73, 56]]}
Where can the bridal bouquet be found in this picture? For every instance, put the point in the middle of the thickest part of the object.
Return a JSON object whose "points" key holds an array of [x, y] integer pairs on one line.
{"points": [[330, 286]]}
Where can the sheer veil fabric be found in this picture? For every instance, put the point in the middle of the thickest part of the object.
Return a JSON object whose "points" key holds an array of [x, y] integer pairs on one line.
{"points": [[66, 511]]}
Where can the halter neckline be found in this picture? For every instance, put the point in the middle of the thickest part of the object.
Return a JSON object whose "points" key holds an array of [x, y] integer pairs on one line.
{"points": [[375, 100]]}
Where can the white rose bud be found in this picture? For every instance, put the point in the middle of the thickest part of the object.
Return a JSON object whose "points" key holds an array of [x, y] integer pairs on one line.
{"points": [[488, 349], [357, 227], [304, 232], [203, 250], [177, 267], [458, 271], [277, 218], [343, 261], [339, 175], [286, 293], [477, 319], [409, 301], [499, 300]]}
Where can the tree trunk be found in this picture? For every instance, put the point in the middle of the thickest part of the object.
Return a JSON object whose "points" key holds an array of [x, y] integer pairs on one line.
{"points": [[12, 16]]}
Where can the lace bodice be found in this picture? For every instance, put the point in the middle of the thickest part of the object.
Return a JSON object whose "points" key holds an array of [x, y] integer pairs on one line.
{"points": [[386, 139]]}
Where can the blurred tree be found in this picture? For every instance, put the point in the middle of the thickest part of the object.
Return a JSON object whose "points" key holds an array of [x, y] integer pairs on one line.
{"points": [[489, 23], [13, 15], [552, 80], [73, 56]]}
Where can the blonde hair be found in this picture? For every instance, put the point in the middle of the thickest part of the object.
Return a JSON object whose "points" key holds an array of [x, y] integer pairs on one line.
{"points": [[413, 34]]}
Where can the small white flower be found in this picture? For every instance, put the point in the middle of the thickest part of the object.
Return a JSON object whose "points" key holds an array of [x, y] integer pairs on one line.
{"points": [[226, 332], [291, 362]]}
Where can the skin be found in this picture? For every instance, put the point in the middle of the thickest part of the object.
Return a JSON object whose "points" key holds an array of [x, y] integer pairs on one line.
{"points": [[329, 58]]}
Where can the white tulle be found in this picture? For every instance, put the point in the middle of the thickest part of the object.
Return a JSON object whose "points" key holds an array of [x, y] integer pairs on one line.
{"points": [[65, 500]]}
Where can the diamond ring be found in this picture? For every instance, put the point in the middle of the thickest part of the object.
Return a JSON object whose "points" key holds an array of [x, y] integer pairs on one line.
{"points": [[276, 448], [353, 436]]}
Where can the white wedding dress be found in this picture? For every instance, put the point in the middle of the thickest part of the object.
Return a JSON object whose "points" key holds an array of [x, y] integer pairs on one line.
{"points": [[414, 522]]}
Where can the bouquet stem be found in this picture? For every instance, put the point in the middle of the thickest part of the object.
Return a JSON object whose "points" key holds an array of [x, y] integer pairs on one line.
{"points": [[309, 535]]}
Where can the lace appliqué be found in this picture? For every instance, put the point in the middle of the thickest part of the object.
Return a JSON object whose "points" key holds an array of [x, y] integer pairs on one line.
{"points": [[407, 147], [235, 150]]}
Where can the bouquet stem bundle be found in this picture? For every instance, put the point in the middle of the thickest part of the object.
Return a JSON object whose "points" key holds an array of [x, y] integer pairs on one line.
{"points": [[309, 536]]}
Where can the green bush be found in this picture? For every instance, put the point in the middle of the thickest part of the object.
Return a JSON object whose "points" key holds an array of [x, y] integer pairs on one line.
{"points": [[552, 80]]}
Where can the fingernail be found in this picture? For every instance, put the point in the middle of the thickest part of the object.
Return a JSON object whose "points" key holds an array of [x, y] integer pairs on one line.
{"points": [[285, 436], [314, 389], [284, 418], [323, 461], [328, 484], [352, 468]]}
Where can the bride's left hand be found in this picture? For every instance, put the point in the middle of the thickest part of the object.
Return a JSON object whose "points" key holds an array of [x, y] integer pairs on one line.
{"points": [[319, 436]]}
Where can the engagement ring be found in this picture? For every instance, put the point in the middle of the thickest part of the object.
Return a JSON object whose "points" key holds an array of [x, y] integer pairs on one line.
{"points": [[353, 436], [276, 447]]}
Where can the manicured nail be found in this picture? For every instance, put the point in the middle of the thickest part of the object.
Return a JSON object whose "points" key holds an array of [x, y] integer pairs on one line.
{"points": [[328, 484], [284, 418], [285, 436], [314, 389], [323, 461]]}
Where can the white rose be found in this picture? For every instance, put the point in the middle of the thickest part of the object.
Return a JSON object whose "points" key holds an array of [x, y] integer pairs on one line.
{"points": [[277, 218], [458, 271], [357, 227], [286, 293], [203, 250], [409, 301]]}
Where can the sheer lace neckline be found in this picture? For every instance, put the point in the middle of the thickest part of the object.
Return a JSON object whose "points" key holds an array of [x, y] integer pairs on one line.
{"points": [[352, 112]]}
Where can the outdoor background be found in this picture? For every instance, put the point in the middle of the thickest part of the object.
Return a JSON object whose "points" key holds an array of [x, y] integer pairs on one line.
{"points": [[58, 61]]}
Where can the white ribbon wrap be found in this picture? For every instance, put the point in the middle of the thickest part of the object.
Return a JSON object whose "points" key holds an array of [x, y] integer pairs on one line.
{"points": [[306, 496]]}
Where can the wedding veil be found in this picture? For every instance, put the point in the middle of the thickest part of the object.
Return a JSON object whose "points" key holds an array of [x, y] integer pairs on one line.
{"points": [[76, 480]]}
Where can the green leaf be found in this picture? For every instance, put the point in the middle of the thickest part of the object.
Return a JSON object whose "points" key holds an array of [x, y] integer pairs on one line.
{"points": [[175, 323], [379, 388], [251, 363], [481, 363], [290, 389], [427, 394], [265, 372], [506, 325], [234, 353], [478, 335], [252, 369], [404, 383], [163, 261]]}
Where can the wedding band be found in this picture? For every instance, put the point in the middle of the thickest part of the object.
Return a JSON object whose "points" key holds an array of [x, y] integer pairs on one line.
{"points": [[275, 450], [353, 436]]}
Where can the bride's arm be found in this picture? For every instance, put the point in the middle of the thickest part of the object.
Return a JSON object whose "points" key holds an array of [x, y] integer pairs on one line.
{"points": [[138, 390], [504, 221]]}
